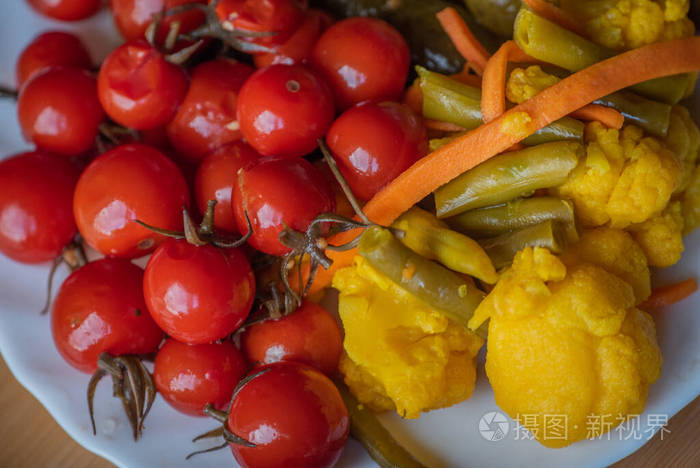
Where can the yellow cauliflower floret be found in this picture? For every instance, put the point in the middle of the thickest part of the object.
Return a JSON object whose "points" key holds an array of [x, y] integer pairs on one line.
{"points": [[525, 83], [661, 237], [684, 140], [627, 24], [690, 202], [616, 252], [625, 178], [572, 357], [400, 352]]}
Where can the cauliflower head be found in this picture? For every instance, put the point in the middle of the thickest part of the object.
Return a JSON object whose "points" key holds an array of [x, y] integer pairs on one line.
{"points": [[684, 140], [624, 178], [400, 352], [628, 24], [690, 203], [567, 344], [661, 236]]}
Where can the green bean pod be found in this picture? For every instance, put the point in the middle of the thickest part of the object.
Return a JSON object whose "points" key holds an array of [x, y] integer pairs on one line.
{"points": [[502, 249], [517, 214], [367, 430], [495, 15], [650, 115], [434, 284], [508, 176], [553, 44], [431, 238]]}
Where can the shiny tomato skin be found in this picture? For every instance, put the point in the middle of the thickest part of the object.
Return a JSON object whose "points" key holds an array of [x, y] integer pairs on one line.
{"points": [[278, 16], [198, 294], [132, 17], [66, 10], [138, 87], [36, 206], [374, 143], [207, 118], [278, 191], [217, 175], [58, 110], [293, 414], [363, 59], [100, 308], [190, 376], [284, 109], [298, 48], [309, 335], [50, 49], [132, 181]]}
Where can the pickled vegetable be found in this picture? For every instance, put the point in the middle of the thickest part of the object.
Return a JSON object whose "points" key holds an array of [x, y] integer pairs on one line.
{"points": [[497, 16], [502, 249]]}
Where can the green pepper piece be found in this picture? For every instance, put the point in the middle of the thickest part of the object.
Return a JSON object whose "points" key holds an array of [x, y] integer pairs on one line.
{"points": [[366, 429], [508, 176], [495, 15], [517, 214], [652, 116], [432, 283], [551, 43], [431, 238], [502, 249]]}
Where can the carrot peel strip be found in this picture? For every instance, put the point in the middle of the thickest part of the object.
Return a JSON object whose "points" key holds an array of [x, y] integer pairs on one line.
{"points": [[463, 39], [605, 115], [667, 295], [555, 15]]}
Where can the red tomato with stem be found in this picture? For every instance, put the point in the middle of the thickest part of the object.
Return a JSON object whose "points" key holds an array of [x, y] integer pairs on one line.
{"points": [[374, 143], [274, 16], [279, 191], [100, 308], [293, 414], [132, 181], [133, 17], [207, 118], [190, 376], [309, 335], [284, 109], [58, 110], [138, 87], [363, 59], [198, 294], [66, 10], [50, 49], [217, 175], [36, 206], [298, 48]]}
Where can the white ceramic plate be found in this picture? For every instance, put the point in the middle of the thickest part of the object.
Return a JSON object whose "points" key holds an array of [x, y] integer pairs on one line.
{"points": [[449, 437]]}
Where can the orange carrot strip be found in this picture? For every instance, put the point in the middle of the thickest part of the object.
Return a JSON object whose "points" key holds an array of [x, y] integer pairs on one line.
{"points": [[493, 91], [461, 36], [605, 115], [413, 98], [555, 15], [442, 126], [465, 152], [467, 78], [667, 295]]}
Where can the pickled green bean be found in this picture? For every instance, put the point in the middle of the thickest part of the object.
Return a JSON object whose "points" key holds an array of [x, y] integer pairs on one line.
{"points": [[502, 249], [508, 176], [517, 214], [551, 43], [434, 284], [367, 430], [652, 116], [495, 15]]}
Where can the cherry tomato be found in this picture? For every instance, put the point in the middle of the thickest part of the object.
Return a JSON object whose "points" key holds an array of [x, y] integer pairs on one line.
{"points": [[66, 10], [207, 117], [190, 376], [274, 16], [51, 49], [36, 206], [309, 335], [198, 294], [298, 48], [284, 109], [138, 87], [217, 175], [363, 59], [374, 143], [59, 111], [100, 308], [132, 17], [275, 192], [293, 414], [132, 181]]}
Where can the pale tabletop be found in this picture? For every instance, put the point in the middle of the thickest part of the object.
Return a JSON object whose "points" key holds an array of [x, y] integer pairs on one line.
{"points": [[31, 438]]}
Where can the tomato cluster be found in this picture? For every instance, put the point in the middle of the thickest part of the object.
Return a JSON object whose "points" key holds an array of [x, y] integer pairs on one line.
{"points": [[128, 158]]}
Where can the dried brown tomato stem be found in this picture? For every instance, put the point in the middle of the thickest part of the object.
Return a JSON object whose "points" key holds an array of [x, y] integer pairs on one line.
{"points": [[73, 255], [216, 432], [8, 93]]}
